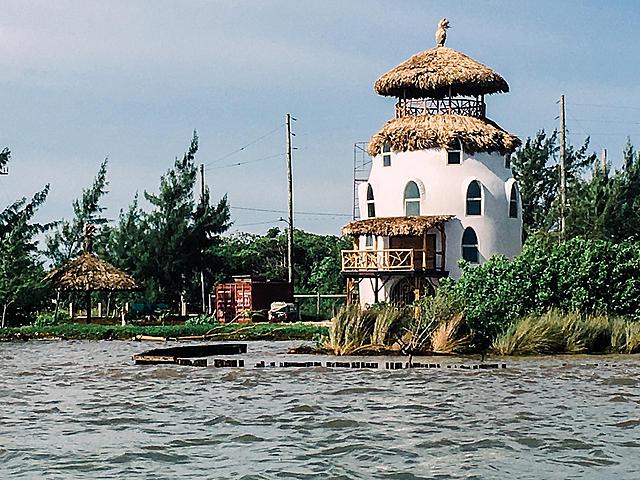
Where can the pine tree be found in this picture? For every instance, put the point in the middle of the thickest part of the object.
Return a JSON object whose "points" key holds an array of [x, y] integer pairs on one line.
{"points": [[66, 241], [21, 271], [178, 231]]}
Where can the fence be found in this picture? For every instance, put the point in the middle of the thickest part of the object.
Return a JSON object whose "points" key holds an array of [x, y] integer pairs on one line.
{"points": [[318, 297]]}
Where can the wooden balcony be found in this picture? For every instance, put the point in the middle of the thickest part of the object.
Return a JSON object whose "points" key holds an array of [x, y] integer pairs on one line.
{"points": [[470, 107], [400, 260]]}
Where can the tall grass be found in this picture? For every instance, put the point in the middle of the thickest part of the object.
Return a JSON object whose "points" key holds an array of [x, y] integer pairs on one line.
{"points": [[433, 324], [437, 320], [448, 336], [558, 332]]}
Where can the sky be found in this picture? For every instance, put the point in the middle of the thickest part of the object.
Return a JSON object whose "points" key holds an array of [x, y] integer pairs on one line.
{"points": [[81, 80]]}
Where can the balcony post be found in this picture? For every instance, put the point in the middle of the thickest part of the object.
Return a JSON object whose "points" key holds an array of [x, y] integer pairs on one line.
{"points": [[424, 250]]}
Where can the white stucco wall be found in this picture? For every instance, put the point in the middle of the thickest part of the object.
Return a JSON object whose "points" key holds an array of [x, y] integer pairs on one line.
{"points": [[443, 190]]}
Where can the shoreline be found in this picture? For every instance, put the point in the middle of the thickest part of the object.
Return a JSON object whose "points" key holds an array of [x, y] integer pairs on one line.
{"points": [[78, 331]]}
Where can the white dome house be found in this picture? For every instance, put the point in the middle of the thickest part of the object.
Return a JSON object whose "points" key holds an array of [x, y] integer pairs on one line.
{"points": [[440, 187]]}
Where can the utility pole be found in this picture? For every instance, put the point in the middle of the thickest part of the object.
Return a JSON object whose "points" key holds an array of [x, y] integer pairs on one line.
{"points": [[290, 199], [563, 178], [603, 160], [204, 303]]}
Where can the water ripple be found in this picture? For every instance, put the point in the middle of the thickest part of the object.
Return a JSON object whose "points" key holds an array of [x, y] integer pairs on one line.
{"points": [[82, 410]]}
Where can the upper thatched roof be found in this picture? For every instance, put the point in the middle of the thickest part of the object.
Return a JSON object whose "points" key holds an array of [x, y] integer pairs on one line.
{"points": [[394, 226], [89, 273], [423, 132], [431, 73]]}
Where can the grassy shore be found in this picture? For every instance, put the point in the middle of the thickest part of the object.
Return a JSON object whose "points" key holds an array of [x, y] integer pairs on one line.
{"points": [[75, 331]]}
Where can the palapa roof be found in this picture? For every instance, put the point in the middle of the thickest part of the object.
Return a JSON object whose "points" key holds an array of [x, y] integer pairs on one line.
{"points": [[89, 273], [394, 226], [423, 132], [433, 72]]}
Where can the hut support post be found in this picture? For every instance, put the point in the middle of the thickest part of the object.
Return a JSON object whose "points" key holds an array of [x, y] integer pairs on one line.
{"points": [[87, 301], [443, 249], [55, 313]]}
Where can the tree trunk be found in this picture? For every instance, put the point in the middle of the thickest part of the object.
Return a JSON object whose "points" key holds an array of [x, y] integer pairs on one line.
{"points": [[4, 313]]}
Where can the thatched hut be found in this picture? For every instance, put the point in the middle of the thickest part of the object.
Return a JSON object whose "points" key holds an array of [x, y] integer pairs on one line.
{"points": [[88, 273], [440, 186]]}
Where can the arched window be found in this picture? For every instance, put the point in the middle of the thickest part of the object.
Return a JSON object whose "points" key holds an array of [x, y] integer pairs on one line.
{"points": [[371, 206], [474, 198], [411, 199], [470, 245], [513, 201]]}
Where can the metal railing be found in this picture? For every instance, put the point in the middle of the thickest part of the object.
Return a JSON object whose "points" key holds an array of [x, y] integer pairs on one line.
{"points": [[470, 107]]}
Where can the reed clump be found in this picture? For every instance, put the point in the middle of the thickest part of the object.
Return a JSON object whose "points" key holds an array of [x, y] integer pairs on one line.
{"points": [[434, 324], [555, 332]]}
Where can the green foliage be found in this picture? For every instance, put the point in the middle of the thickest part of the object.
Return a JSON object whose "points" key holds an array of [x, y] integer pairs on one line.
{"points": [[316, 258], [48, 319], [21, 272], [261, 331], [202, 320], [66, 241], [585, 276], [605, 206]]}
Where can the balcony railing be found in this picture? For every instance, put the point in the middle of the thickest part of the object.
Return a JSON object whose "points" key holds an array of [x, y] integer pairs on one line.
{"points": [[390, 260], [470, 107]]}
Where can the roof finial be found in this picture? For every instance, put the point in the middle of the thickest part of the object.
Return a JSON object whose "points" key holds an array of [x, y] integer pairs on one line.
{"points": [[89, 230], [441, 33]]}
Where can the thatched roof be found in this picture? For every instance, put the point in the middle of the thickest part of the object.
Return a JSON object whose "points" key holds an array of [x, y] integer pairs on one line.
{"points": [[89, 273], [394, 226], [423, 132], [431, 73]]}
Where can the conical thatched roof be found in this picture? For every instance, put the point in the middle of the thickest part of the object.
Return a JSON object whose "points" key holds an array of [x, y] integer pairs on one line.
{"points": [[423, 132], [431, 73], [394, 226], [89, 273]]}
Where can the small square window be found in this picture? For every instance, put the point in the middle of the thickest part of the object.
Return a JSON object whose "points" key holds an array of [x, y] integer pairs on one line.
{"points": [[386, 148], [386, 160], [454, 157]]}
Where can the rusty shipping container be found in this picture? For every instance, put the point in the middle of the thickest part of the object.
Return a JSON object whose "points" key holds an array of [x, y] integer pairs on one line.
{"points": [[246, 295]]}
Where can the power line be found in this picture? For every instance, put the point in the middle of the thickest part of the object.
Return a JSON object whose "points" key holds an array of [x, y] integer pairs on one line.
{"points": [[248, 144], [606, 121], [257, 223], [624, 107], [238, 164], [325, 214]]}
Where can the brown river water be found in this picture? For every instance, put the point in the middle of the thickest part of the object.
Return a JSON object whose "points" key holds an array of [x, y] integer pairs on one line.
{"points": [[83, 410]]}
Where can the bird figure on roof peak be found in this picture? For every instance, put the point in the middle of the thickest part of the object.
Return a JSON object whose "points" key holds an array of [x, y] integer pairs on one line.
{"points": [[441, 33]]}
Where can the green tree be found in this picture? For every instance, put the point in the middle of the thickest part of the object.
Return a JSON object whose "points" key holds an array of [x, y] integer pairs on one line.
{"points": [[316, 259], [621, 212], [67, 239], [21, 271], [536, 169], [178, 232]]}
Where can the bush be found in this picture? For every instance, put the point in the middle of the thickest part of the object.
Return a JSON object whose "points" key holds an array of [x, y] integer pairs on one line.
{"points": [[590, 277], [47, 319], [201, 320]]}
